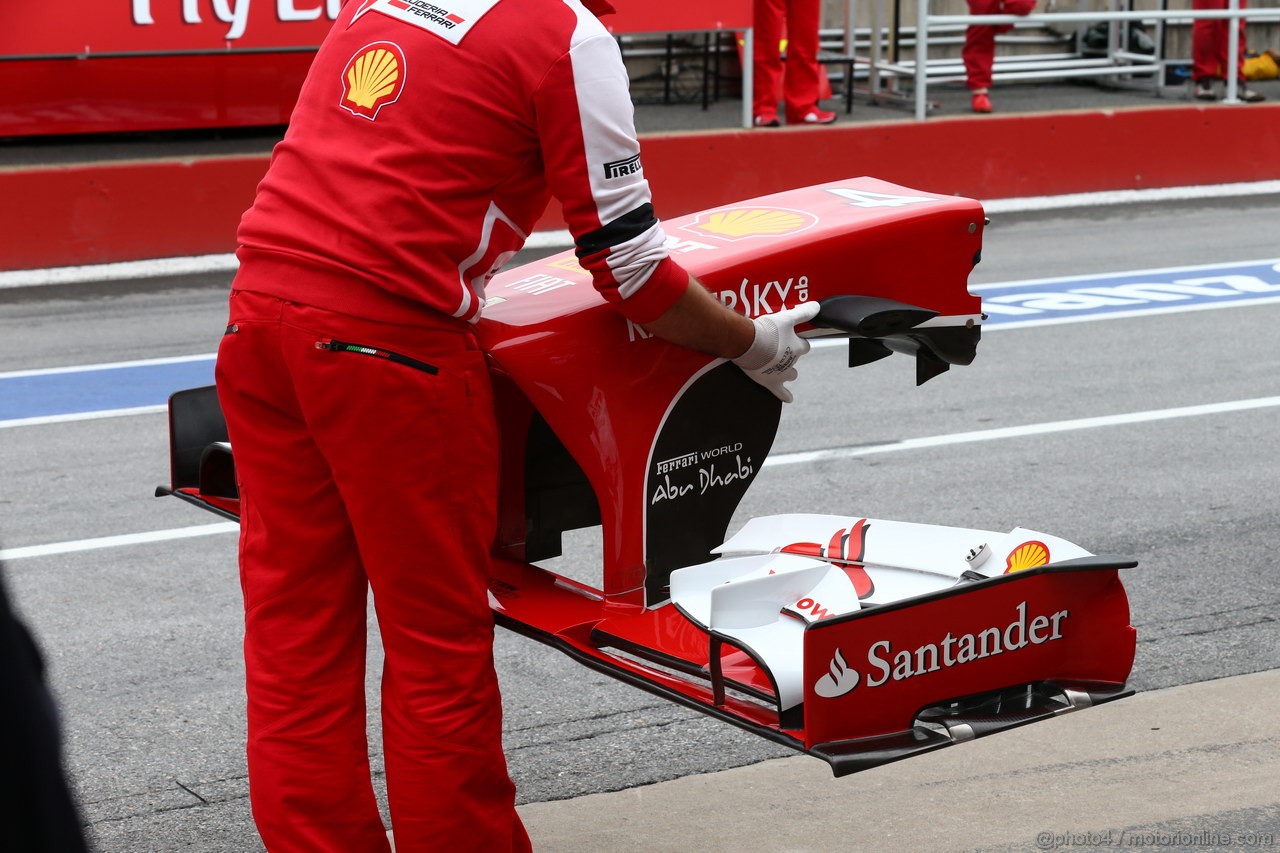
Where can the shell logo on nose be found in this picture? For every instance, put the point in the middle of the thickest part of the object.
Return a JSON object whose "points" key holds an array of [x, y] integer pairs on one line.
{"points": [[743, 223]]}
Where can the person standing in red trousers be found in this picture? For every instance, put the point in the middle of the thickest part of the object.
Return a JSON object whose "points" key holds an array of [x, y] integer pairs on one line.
{"points": [[1210, 39], [979, 51], [424, 147], [800, 21]]}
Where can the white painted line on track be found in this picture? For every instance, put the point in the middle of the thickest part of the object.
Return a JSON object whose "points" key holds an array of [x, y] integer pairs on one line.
{"points": [[782, 459], [815, 343], [1114, 197], [1006, 325], [1023, 431], [196, 265], [1157, 271], [109, 365], [83, 416], [1126, 315], [119, 541], [153, 268], [563, 240], [999, 321]]}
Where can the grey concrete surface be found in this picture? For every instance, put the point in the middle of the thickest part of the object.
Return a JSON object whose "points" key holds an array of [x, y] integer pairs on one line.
{"points": [[143, 640], [1125, 775]]}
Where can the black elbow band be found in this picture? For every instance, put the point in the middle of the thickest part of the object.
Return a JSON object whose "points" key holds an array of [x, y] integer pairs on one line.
{"points": [[626, 227]]}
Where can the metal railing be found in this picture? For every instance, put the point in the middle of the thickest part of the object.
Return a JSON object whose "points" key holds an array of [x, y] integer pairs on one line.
{"points": [[1139, 63]]}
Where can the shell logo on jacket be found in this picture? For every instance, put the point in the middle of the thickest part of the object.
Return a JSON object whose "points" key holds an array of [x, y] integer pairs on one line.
{"points": [[372, 79], [397, 184]]}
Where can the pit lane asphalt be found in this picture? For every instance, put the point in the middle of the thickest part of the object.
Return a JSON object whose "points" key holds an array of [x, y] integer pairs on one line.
{"points": [[143, 641]]}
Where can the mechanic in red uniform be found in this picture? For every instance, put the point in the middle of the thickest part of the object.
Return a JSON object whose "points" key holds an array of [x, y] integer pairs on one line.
{"points": [[425, 144], [1210, 39], [800, 21], [979, 51]]}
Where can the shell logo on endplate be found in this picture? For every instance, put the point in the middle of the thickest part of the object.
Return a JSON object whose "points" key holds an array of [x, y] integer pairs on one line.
{"points": [[1028, 555], [372, 79], [740, 223]]}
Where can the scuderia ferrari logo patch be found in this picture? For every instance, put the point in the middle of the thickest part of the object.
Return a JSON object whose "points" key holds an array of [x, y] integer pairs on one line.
{"points": [[373, 78], [449, 19]]}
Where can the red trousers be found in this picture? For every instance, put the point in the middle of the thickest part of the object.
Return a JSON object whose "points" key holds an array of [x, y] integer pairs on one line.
{"points": [[979, 51], [1209, 40], [800, 21], [372, 467]]}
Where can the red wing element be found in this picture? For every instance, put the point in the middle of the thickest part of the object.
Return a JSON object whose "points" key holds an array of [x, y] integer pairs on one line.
{"points": [[604, 425]]}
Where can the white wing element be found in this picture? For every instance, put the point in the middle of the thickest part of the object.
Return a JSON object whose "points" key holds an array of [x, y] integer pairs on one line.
{"points": [[929, 548], [749, 592], [763, 603], [780, 573]]}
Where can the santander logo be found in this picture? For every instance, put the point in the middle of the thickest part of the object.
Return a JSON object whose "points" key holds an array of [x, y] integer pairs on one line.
{"points": [[839, 681], [886, 664]]}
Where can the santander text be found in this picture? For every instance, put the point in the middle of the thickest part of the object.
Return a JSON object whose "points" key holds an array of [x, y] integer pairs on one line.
{"points": [[891, 665]]}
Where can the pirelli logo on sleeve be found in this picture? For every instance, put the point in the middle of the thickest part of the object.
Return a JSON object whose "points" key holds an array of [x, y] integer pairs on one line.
{"points": [[622, 168]]}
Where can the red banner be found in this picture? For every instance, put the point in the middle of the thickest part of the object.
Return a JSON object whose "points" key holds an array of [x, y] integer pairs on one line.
{"points": [[88, 27], [161, 64]]}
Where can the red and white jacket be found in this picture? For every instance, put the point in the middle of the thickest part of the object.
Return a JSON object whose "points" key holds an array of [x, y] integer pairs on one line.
{"points": [[426, 143]]}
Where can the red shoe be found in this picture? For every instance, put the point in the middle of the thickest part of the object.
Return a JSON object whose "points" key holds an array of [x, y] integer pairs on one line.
{"points": [[817, 116], [766, 121], [982, 103]]}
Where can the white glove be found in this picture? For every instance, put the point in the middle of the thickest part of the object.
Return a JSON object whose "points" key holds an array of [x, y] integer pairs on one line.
{"points": [[771, 358]]}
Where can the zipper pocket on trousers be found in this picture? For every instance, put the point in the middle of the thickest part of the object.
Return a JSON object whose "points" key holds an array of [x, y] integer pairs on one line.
{"points": [[377, 352]]}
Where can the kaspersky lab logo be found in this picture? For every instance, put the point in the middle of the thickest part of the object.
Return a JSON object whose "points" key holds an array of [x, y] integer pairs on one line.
{"points": [[886, 664]]}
